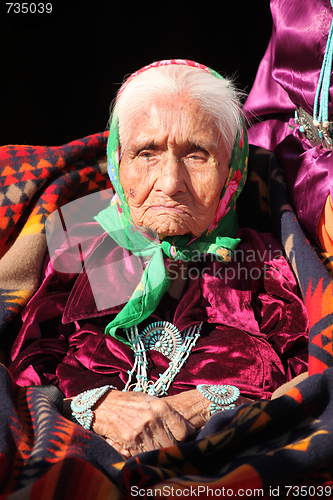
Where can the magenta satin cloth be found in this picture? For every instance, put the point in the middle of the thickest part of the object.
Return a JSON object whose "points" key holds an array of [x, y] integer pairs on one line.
{"points": [[288, 76], [254, 324]]}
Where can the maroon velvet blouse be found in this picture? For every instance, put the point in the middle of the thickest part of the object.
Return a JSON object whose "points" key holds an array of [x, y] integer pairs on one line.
{"points": [[254, 332]]}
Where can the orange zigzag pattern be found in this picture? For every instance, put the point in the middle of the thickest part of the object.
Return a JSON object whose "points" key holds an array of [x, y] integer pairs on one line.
{"points": [[319, 304]]}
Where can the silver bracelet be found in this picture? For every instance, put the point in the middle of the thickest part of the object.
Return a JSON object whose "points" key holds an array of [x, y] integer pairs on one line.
{"points": [[221, 397], [82, 403]]}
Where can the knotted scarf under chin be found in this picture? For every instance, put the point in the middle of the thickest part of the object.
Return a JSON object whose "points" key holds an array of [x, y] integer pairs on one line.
{"points": [[155, 280]]}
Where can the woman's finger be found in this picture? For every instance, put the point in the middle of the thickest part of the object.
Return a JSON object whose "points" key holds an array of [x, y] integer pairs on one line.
{"points": [[179, 427], [157, 435]]}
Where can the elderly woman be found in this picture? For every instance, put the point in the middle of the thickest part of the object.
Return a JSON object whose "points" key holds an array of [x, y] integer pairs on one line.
{"points": [[147, 359]]}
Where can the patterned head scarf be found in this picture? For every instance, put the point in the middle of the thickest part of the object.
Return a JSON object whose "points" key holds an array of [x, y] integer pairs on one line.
{"points": [[218, 239]]}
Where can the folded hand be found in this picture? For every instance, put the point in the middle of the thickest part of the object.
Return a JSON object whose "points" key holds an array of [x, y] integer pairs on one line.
{"points": [[133, 422]]}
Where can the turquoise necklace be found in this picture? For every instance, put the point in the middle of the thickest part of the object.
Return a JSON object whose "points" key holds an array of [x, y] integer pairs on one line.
{"points": [[320, 107], [163, 337]]}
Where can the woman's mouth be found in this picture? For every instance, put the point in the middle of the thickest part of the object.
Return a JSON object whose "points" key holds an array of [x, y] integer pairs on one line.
{"points": [[168, 208]]}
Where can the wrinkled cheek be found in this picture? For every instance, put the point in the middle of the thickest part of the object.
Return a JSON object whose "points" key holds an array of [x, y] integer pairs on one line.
{"points": [[210, 199], [138, 215], [208, 188]]}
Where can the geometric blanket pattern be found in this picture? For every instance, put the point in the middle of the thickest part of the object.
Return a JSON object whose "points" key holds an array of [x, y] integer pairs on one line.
{"points": [[34, 182], [314, 279]]}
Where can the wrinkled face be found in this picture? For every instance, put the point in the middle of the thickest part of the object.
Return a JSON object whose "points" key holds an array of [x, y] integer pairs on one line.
{"points": [[173, 168]]}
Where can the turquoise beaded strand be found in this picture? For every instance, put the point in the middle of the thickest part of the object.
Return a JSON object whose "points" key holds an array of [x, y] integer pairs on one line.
{"points": [[320, 117]]}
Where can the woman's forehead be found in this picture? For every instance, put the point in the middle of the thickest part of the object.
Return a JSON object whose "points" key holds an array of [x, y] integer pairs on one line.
{"points": [[182, 119]]}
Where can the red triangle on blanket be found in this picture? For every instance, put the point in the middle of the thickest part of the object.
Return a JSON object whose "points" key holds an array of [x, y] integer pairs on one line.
{"points": [[77, 142], [18, 207], [5, 153], [28, 176], [40, 150], [92, 185], [21, 151], [10, 180], [100, 178], [49, 197], [50, 189], [94, 142], [316, 366], [317, 340]]}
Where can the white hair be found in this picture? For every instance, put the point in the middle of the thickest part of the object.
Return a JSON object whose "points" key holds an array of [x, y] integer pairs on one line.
{"points": [[217, 97]]}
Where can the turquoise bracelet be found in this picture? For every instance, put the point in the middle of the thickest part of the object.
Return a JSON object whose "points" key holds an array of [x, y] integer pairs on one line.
{"points": [[82, 403], [222, 397]]}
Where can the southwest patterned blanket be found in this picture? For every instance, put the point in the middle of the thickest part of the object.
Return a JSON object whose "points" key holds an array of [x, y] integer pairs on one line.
{"points": [[281, 448]]}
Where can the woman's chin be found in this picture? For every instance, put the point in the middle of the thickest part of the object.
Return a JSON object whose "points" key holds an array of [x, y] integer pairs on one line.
{"points": [[177, 232], [163, 234], [174, 231], [169, 228]]}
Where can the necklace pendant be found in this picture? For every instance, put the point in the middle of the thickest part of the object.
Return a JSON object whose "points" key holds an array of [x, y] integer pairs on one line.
{"points": [[307, 127], [314, 132], [163, 337]]}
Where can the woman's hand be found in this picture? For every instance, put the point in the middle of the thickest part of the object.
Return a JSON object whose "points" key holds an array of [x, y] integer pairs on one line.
{"points": [[192, 405], [133, 422]]}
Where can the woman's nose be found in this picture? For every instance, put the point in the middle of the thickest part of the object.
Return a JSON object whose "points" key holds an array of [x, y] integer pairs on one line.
{"points": [[171, 176]]}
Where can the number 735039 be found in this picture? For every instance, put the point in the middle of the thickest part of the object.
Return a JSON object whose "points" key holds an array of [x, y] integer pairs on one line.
{"points": [[29, 8]]}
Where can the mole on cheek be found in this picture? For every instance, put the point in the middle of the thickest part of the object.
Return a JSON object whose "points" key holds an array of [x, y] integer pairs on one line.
{"points": [[132, 192]]}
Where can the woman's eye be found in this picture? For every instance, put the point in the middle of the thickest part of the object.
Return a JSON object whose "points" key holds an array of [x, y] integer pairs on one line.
{"points": [[198, 154], [145, 154], [197, 157]]}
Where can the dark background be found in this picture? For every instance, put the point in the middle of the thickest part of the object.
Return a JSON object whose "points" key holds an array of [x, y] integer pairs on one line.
{"points": [[60, 71]]}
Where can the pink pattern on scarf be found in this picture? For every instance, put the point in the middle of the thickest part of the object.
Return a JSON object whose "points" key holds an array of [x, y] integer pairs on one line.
{"points": [[224, 202]]}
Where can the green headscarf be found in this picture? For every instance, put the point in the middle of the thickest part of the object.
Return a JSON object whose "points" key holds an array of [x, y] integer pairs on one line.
{"points": [[218, 239]]}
